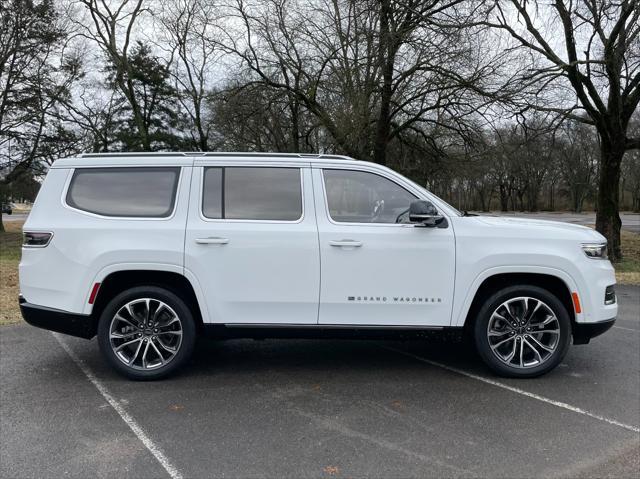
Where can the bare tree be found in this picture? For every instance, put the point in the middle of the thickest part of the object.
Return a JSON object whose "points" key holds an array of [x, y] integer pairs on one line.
{"points": [[111, 27], [370, 72], [189, 26], [597, 60], [32, 82]]}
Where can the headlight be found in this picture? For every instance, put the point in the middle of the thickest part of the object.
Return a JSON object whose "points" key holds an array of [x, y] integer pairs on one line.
{"points": [[595, 250]]}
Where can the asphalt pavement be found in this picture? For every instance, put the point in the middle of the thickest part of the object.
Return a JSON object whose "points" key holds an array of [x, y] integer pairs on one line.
{"points": [[320, 408]]}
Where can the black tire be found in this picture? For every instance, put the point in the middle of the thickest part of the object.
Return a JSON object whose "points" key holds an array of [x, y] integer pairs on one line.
{"points": [[187, 323], [481, 338]]}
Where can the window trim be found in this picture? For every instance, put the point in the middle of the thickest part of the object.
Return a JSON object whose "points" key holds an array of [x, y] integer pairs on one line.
{"points": [[348, 223], [239, 220], [175, 193]]}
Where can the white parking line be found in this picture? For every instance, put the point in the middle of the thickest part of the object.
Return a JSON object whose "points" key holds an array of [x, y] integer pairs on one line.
{"points": [[627, 329], [126, 417], [518, 391]]}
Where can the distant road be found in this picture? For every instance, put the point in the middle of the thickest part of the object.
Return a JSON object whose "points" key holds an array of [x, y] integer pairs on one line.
{"points": [[14, 217], [630, 221]]}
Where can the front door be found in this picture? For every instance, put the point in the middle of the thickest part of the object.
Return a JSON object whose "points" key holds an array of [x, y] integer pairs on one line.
{"points": [[252, 243], [377, 269]]}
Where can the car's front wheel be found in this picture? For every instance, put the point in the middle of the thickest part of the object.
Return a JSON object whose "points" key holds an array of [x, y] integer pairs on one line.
{"points": [[522, 331], [146, 332]]}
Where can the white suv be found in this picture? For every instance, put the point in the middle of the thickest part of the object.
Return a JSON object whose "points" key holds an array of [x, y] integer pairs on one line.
{"points": [[148, 251]]}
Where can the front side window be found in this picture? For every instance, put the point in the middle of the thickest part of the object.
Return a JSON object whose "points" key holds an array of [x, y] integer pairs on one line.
{"points": [[147, 192], [362, 197], [248, 193]]}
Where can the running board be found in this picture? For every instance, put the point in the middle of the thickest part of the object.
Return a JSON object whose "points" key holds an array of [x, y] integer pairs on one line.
{"points": [[332, 331]]}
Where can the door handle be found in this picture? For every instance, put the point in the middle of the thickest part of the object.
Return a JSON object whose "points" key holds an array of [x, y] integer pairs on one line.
{"points": [[212, 240], [346, 243]]}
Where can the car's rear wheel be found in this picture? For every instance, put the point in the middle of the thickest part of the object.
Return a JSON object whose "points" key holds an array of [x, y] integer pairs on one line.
{"points": [[146, 332], [522, 331]]}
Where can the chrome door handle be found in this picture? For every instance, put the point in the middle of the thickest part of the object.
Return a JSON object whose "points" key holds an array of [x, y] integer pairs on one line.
{"points": [[346, 243], [212, 240]]}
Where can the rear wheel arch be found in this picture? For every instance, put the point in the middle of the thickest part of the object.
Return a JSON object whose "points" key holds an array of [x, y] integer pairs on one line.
{"points": [[119, 281], [554, 284]]}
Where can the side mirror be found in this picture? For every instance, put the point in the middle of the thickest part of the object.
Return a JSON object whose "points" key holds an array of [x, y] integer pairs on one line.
{"points": [[424, 213]]}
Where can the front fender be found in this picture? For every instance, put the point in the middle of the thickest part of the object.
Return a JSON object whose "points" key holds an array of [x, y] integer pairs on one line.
{"points": [[461, 308]]}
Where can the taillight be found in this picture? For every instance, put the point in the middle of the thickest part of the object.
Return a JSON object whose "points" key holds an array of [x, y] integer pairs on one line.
{"points": [[33, 239]]}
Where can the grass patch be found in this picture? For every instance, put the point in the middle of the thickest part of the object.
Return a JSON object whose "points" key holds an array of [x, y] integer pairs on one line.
{"points": [[10, 244], [628, 270]]}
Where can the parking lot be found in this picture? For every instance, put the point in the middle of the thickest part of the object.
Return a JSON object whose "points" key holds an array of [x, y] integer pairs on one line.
{"points": [[303, 408]]}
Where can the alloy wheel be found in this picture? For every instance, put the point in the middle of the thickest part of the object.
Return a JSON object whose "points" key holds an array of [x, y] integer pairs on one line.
{"points": [[523, 332], [145, 334]]}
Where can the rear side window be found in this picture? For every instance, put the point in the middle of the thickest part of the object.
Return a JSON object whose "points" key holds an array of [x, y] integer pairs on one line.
{"points": [[127, 192], [245, 193]]}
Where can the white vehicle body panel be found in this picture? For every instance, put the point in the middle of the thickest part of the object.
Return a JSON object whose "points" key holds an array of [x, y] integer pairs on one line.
{"points": [[287, 272], [398, 275], [266, 271]]}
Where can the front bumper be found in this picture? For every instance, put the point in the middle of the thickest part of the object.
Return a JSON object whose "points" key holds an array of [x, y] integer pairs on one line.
{"points": [[583, 332], [73, 324]]}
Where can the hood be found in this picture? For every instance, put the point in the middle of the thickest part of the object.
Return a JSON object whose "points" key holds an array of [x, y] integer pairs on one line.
{"points": [[540, 226]]}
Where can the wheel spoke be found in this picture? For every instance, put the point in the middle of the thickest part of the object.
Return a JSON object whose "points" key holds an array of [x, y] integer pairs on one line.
{"points": [[173, 333], [500, 343], [120, 318], [521, 353], [162, 360], [122, 336], [144, 355], [146, 315], [535, 351], [498, 333], [125, 344], [172, 321], [509, 358], [540, 345], [529, 317], [167, 348], [135, 355]]}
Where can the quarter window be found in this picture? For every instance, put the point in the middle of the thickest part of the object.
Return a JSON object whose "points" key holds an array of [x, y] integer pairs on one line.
{"points": [[247, 193], [125, 192], [362, 197]]}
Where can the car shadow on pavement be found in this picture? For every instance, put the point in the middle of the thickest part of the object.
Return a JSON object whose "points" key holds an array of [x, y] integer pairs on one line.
{"points": [[247, 356]]}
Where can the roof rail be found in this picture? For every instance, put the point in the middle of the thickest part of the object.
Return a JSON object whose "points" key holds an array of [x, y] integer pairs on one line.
{"points": [[216, 153]]}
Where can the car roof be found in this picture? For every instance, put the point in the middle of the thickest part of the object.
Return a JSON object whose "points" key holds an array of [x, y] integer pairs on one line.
{"points": [[191, 158]]}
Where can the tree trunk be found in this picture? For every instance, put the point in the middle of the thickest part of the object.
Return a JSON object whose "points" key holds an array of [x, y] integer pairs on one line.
{"points": [[504, 199], [387, 60], [1, 223], [608, 221]]}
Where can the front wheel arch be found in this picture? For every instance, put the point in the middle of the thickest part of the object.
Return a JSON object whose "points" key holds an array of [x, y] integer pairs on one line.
{"points": [[490, 285]]}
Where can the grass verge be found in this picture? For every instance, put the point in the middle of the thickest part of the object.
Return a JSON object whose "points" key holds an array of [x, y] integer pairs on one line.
{"points": [[10, 242], [627, 271]]}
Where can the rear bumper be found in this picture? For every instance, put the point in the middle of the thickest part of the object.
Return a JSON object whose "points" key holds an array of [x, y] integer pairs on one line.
{"points": [[583, 332], [73, 324]]}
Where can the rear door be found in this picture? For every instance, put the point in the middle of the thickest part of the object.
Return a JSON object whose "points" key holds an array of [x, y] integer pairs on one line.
{"points": [[252, 242], [377, 269]]}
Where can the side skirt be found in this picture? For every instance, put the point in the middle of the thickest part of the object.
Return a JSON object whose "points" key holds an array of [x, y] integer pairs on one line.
{"points": [[320, 331]]}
